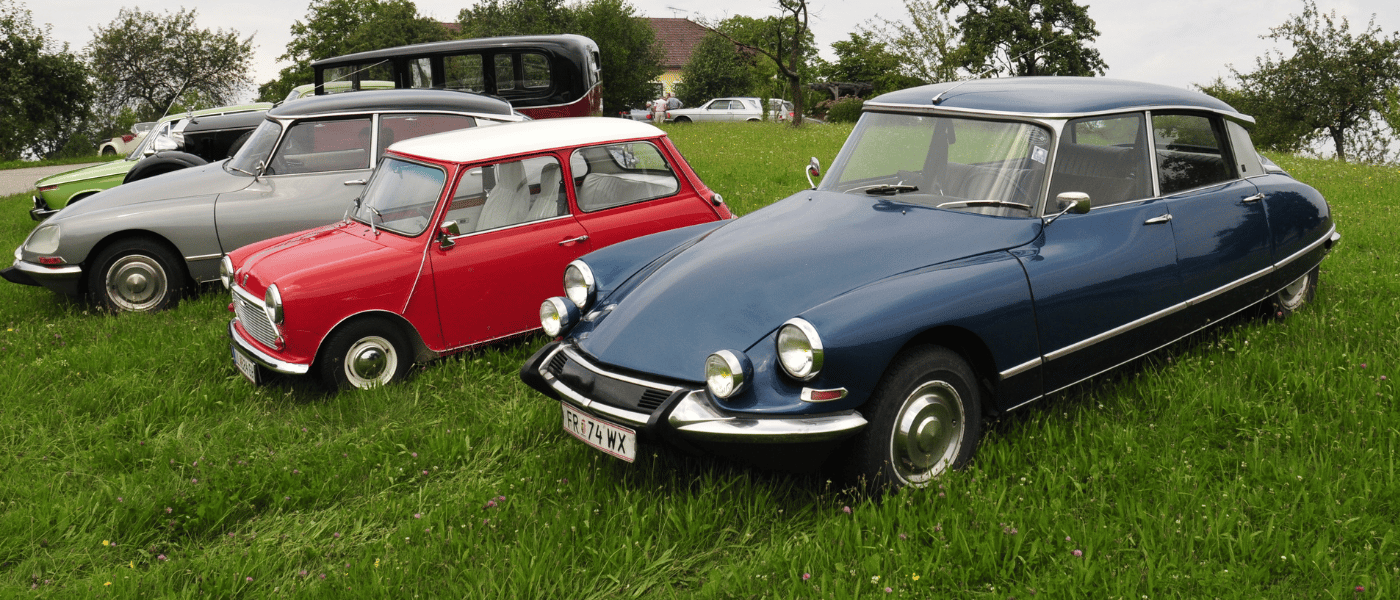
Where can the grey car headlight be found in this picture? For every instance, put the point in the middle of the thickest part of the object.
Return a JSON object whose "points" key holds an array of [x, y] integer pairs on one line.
{"points": [[557, 315], [44, 240], [800, 349], [272, 303], [726, 372], [579, 284], [226, 271]]}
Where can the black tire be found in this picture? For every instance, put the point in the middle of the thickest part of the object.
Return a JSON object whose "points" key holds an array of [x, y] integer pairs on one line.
{"points": [[682, 119], [1294, 296], [137, 275], [362, 354], [109, 151], [925, 417]]}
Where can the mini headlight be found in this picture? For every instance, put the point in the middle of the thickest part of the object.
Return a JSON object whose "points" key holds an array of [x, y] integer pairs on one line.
{"points": [[725, 373], [272, 303], [226, 271], [557, 315], [44, 240], [579, 284], [799, 349]]}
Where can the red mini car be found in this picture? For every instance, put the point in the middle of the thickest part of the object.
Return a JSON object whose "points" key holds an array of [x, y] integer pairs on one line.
{"points": [[455, 242]]}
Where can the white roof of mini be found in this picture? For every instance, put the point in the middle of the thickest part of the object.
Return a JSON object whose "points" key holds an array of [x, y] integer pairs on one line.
{"points": [[482, 143]]}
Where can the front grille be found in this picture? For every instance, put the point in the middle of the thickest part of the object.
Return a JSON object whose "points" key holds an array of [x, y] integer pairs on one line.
{"points": [[608, 388], [254, 319]]}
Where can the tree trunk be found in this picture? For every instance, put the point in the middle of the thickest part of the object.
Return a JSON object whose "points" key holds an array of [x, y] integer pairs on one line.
{"points": [[1339, 141]]}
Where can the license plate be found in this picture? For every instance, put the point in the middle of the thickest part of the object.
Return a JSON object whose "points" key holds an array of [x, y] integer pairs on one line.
{"points": [[245, 366], [616, 440]]}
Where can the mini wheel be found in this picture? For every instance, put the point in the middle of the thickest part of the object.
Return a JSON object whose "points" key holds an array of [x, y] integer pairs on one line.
{"points": [[924, 419], [364, 354], [136, 275]]}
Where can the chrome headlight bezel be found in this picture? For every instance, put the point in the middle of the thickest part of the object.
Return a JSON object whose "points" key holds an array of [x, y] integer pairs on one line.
{"points": [[580, 287], [557, 315], [272, 305], [44, 240], [726, 373], [226, 272], [799, 348]]}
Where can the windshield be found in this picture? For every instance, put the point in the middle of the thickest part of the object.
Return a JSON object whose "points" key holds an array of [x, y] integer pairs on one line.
{"points": [[253, 155], [990, 167], [162, 132], [401, 197]]}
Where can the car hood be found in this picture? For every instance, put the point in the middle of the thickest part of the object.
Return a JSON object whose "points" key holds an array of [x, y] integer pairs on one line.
{"points": [[745, 279], [107, 169], [202, 180], [323, 249]]}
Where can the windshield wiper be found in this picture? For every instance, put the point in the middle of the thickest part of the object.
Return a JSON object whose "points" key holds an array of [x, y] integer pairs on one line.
{"points": [[242, 171], [890, 190], [975, 203]]}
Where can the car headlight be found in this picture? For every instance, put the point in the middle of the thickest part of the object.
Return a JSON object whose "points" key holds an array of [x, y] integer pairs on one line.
{"points": [[579, 284], [226, 271], [799, 349], [557, 315], [726, 372], [44, 240], [272, 303]]}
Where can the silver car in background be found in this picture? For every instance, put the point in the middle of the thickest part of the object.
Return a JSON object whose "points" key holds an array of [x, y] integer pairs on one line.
{"points": [[720, 109], [139, 246]]}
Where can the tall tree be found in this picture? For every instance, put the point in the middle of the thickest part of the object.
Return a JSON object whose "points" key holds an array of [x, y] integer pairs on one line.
{"points": [[924, 41], [863, 59], [1334, 83], [629, 56], [44, 101], [783, 44], [715, 68], [338, 27], [147, 61], [1026, 37]]}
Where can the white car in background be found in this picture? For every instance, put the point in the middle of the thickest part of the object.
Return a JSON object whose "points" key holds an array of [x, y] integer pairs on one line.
{"points": [[124, 144], [720, 109]]}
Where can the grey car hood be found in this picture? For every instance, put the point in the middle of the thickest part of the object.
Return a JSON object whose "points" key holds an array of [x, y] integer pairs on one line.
{"points": [[203, 180]]}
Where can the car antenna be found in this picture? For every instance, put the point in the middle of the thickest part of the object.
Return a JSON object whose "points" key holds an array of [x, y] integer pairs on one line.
{"points": [[939, 97]]}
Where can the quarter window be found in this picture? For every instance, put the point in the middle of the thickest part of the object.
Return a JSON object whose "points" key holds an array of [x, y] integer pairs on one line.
{"points": [[618, 174], [1190, 152], [1104, 157]]}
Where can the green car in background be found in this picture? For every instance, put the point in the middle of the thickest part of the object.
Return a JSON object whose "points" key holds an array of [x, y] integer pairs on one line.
{"points": [[57, 191]]}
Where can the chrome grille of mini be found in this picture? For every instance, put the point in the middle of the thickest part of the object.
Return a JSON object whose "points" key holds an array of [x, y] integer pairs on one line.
{"points": [[254, 319]]}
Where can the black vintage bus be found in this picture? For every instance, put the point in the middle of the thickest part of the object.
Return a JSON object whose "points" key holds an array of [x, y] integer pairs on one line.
{"points": [[542, 76]]}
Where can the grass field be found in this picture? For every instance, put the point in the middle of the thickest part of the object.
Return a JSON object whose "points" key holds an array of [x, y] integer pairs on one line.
{"points": [[1254, 461]]}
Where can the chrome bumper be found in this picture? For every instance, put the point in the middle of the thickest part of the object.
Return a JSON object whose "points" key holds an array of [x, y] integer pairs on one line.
{"points": [[65, 279], [267, 361]]}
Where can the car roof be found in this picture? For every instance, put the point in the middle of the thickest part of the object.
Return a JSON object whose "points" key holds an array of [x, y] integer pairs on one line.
{"points": [[218, 110], [481, 143], [510, 41], [243, 120], [380, 100], [1050, 97]]}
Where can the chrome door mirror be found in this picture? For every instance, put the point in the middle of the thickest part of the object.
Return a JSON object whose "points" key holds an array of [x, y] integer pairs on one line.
{"points": [[814, 169], [448, 231], [1070, 202]]}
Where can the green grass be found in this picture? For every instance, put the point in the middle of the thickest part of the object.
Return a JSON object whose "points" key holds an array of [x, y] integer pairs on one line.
{"points": [[1256, 461]]}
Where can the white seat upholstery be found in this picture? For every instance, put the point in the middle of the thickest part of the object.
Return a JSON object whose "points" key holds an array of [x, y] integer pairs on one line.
{"points": [[550, 201], [508, 202], [602, 190]]}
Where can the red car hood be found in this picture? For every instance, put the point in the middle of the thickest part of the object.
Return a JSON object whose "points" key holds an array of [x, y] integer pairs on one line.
{"points": [[315, 257]]}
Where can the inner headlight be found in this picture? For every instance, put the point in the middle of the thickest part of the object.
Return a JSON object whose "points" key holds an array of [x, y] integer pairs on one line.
{"points": [[557, 315], [725, 373], [272, 303], [579, 284], [226, 271], [44, 240], [799, 349]]}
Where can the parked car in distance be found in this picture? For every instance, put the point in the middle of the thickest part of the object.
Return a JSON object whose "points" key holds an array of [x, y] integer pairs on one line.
{"points": [[454, 243], [780, 110], [125, 143], [139, 246], [975, 247], [57, 191], [719, 109]]}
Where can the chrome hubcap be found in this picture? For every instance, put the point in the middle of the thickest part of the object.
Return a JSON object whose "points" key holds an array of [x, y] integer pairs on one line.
{"points": [[136, 283], [1292, 296], [370, 362], [927, 433]]}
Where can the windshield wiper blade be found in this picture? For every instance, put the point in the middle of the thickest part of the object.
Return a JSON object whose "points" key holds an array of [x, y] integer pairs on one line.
{"points": [[371, 220], [976, 203], [890, 190]]}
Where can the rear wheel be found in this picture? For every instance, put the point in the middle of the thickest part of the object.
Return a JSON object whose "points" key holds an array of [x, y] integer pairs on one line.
{"points": [[1293, 296], [136, 275], [682, 119], [364, 354], [108, 151], [924, 419]]}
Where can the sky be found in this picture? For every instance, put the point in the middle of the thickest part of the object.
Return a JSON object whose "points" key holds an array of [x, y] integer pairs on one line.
{"points": [[1180, 43]]}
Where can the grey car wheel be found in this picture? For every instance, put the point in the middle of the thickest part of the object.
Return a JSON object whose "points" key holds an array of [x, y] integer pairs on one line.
{"points": [[364, 354], [136, 275]]}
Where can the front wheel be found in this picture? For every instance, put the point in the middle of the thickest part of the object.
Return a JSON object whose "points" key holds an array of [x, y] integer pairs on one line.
{"points": [[1293, 296], [136, 275], [682, 119], [364, 354], [925, 418]]}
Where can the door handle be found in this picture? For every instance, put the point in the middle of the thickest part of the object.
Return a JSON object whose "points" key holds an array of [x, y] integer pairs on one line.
{"points": [[356, 182], [1156, 220], [582, 238], [1254, 198]]}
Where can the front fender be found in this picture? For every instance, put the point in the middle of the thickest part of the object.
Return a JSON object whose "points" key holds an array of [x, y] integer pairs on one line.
{"points": [[187, 223]]}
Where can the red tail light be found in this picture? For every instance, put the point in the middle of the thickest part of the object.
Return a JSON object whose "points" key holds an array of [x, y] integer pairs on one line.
{"points": [[128, 137]]}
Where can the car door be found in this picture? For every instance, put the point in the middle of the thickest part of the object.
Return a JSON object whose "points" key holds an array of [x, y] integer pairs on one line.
{"points": [[1219, 221], [629, 189], [1105, 283], [516, 237], [716, 110]]}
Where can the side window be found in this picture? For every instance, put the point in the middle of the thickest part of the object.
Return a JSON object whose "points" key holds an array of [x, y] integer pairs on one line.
{"points": [[1246, 157], [536, 71], [1190, 152], [510, 193], [522, 72], [463, 72], [618, 174], [420, 73], [1104, 157], [322, 146], [719, 105], [398, 127]]}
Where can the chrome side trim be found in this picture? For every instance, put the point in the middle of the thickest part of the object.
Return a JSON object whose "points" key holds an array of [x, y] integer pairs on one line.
{"points": [[262, 358], [204, 257], [1082, 344], [696, 417], [1022, 368], [1230, 286], [1331, 236]]}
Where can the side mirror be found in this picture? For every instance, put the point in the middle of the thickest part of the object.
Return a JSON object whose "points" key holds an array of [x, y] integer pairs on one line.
{"points": [[1070, 202], [814, 169], [448, 231]]}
